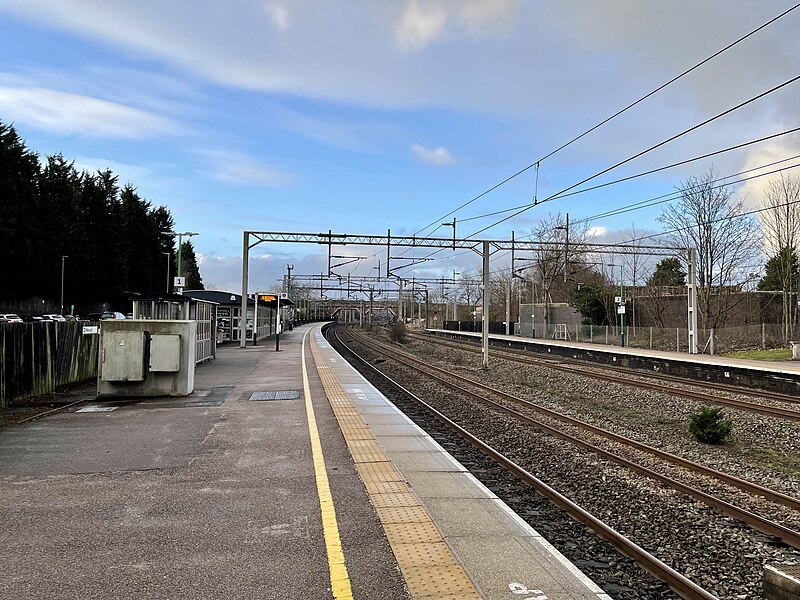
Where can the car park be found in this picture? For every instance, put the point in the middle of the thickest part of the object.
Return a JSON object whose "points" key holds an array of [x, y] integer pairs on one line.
{"points": [[11, 318]]}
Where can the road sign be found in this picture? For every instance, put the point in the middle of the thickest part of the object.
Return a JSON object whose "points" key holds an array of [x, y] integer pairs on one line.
{"points": [[621, 309], [179, 282]]}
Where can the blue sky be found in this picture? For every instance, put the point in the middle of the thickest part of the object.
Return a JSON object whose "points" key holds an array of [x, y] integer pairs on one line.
{"points": [[368, 115]]}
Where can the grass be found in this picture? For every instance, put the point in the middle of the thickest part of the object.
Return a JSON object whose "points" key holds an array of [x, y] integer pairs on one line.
{"points": [[773, 354]]}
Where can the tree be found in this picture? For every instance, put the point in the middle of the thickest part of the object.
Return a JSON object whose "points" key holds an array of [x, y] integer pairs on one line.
{"points": [[781, 224], [19, 171], [189, 268], [709, 219], [556, 261], [774, 271], [591, 300], [668, 272]]}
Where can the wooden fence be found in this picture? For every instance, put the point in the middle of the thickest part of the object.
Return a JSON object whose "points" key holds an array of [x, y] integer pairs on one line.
{"points": [[37, 358]]}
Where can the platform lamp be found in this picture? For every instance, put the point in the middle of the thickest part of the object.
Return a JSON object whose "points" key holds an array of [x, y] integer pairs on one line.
{"points": [[63, 256], [180, 237]]}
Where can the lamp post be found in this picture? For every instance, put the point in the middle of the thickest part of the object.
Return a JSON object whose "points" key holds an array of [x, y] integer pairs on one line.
{"points": [[168, 255], [180, 237], [620, 304], [63, 256]]}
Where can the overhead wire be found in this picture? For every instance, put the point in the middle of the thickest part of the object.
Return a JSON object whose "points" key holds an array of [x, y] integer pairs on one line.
{"points": [[613, 116], [642, 174]]}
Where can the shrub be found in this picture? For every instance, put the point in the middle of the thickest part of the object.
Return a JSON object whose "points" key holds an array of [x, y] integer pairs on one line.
{"points": [[397, 333], [709, 425]]}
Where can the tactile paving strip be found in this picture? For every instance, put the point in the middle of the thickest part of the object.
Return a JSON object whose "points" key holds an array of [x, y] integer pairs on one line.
{"points": [[427, 563]]}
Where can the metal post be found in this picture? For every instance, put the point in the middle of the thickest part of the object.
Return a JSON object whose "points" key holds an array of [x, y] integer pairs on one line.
{"points": [[691, 299], [278, 325], [533, 302], [622, 306], [245, 266], [508, 307], [62, 282], [485, 328], [400, 318], [763, 337], [712, 342], [651, 338], [427, 312], [255, 321], [677, 339]]}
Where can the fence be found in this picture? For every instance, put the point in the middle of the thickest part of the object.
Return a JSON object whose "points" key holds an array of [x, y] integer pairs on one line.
{"points": [[675, 339], [37, 358]]}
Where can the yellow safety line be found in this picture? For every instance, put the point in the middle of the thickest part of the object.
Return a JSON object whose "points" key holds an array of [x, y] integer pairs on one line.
{"points": [[427, 563], [340, 581]]}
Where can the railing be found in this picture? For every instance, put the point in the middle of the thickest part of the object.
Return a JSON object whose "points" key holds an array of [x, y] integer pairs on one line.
{"points": [[38, 358], [674, 339]]}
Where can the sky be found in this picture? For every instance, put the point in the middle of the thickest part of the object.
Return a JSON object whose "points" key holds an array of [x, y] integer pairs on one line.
{"points": [[369, 115]]}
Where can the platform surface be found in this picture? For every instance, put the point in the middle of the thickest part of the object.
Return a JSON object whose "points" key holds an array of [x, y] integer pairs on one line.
{"points": [[218, 495]]}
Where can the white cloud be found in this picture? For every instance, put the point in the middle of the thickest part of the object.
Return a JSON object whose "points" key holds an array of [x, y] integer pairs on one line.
{"points": [[241, 169], [437, 156], [419, 26], [753, 191], [74, 114], [597, 231], [279, 14]]}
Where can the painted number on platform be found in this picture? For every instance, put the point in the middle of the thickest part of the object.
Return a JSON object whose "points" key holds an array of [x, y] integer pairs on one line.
{"points": [[520, 589]]}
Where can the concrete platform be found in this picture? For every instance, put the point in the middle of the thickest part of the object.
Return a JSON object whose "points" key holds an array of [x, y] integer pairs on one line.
{"points": [[321, 489], [783, 377]]}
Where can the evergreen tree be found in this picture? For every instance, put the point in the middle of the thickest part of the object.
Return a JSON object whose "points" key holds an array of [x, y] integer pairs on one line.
{"points": [[668, 272], [112, 238], [189, 268], [589, 301], [776, 271], [19, 173]]}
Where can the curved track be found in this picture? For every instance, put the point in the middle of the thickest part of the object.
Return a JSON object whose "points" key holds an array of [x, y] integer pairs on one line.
{"points": [[680, 584]]}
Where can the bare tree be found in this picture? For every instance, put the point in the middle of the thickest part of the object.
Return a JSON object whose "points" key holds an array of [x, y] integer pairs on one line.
{"points": [[469, 287], [635, 265], [781, 225], [709, 219], [562, 253]]}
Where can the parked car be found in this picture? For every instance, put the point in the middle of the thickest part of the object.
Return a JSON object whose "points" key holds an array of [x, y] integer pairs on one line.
{"points": [[94, 316], [111, 315], [54, 317], [72, 318], [28, 318], [11, 318]]}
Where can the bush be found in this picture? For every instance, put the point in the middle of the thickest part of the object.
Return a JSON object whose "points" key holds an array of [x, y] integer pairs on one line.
{"points": [[709, 425], [397, 333]]}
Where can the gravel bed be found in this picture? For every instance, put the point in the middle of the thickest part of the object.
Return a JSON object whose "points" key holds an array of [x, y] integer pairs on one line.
{"points": [[720, 555]]}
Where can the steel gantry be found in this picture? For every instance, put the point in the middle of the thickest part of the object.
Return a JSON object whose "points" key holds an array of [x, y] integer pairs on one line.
{"points": [[483, 248]]}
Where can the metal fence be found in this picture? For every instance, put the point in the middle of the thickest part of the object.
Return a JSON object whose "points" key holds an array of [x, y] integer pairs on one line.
{"points": [[37, 358], [675, 339]]}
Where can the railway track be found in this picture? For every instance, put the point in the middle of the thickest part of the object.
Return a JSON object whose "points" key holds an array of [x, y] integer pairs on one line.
{"points": [[624, 378], [462, 385], [683, 586]]}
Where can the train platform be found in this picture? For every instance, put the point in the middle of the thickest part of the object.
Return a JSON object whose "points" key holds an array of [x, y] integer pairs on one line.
{"points": [[285, 475], [778, 376]]}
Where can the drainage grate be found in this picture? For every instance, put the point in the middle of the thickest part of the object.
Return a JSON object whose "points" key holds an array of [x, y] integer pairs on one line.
{"points": [[91, 409], [276, 395]]}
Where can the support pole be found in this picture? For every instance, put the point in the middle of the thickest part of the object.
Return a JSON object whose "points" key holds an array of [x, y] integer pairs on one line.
{"points": [[485, 328], [245, 266], [691, 301]]}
